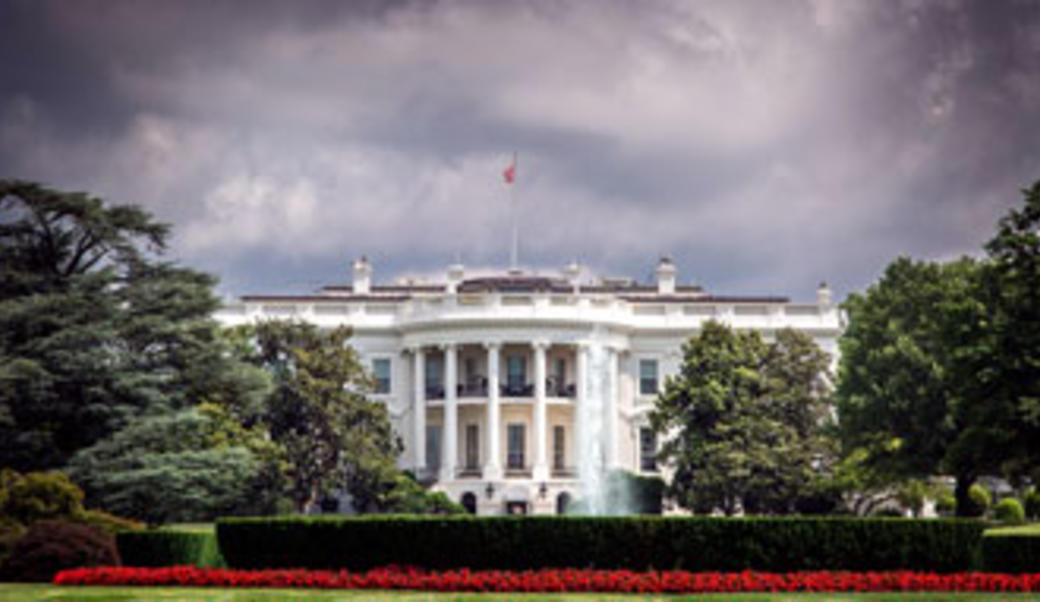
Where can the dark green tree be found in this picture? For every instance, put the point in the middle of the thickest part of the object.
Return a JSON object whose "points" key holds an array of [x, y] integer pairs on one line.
{"points": [[187, 466], [96, 330], [903, 406], [334, 437], [1005, 369], [743, 422]]}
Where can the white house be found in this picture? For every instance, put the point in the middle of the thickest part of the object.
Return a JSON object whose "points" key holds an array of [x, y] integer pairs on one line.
{"points": [[484, 377]]}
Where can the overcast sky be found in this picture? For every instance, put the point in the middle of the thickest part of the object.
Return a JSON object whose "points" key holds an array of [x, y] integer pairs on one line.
{"points": [[763, 145]]}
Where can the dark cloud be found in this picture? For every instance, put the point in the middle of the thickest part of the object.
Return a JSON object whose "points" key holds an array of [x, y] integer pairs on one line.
{"points": [[765, 146]]}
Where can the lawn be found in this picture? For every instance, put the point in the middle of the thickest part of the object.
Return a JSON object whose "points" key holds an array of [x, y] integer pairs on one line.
{"points": [[40, 593], [1031, 529]]}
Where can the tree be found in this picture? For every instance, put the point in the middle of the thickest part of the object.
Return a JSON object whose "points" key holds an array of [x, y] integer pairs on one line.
{"points": [[187, 466], [904, 410], [743, 421], [95, 330], [1006, 370], [334, 437]]}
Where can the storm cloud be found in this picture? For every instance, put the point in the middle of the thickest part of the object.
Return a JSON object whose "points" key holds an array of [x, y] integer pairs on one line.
{"points": [[765, 146]]}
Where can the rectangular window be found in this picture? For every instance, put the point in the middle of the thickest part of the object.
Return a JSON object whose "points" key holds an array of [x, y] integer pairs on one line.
{"points": [[647, 450], [433, 447], [472, 447], [381, 373], [559, 449], [516, 373], [648, 377], [434, 378], [515, 460], [560, 375]]}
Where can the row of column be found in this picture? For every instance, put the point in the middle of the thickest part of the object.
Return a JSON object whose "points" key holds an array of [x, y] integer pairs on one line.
{"points": [[492, 469]]}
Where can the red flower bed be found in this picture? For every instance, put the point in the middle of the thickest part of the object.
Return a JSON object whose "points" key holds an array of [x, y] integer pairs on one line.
{"points": [[557, 580]]}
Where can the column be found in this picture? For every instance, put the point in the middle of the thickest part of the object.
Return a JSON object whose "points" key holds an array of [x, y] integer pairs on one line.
{"points": [[492, 467], [541, 465], [611, 409], [419, 410], [450, 431], [580, 402]]}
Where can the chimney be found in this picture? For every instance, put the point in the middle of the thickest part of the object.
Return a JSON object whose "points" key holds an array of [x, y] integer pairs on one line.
{"points": [[665, 276], [362, 276], [455, 274], [571, 272], [823, 294]]}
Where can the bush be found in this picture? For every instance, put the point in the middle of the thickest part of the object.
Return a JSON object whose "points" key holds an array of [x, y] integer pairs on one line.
{"points": [[1011, 553], [169, 548], [520, 543], [39, 496], [51, 546], [106, 522], [945, 503], [1009, 511], [979, 499], [1032, 503]]}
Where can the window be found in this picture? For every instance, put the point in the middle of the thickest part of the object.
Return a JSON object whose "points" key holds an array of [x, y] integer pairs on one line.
{"points": [[515, 461], [433, 447], [647, 450], [560, 372], [559, 451], [472, 447], [516, 372], [381, 372], [648, 377], [470, 367], [434, 377]]}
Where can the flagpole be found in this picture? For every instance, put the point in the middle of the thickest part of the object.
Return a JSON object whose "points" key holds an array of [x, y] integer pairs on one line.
{"points": [[513, 256]]}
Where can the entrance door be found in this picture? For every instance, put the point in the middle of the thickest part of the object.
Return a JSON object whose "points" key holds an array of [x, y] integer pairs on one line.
{"points": [[516, 508]]}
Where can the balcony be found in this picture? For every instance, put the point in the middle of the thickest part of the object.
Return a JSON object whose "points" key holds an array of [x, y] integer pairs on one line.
{"points": [[564, 472], [518, 472], [516, 389], [468, 472]]}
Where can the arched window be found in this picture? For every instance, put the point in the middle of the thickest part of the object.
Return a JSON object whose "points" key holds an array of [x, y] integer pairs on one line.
{"points": [[562, 501], [469, 502]]}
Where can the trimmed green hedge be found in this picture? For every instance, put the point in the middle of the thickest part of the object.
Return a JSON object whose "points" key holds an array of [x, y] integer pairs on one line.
{"points": [[1011, 552], [169, 548], [699, 544]]}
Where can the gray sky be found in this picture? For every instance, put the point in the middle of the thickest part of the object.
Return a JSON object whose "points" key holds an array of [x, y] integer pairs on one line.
{"points": [[764, 145]]}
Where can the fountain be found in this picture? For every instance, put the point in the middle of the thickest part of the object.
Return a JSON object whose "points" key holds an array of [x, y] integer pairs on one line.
{"points": [[601, 494]]}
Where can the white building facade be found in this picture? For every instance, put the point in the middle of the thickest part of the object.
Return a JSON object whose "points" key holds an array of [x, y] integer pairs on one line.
{"points": [[484, 377]]}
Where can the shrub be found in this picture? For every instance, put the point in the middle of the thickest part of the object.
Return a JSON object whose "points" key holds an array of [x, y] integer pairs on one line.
{"points": [[39, 496], [169, 548], [106, 522], [51, 546], [980, 500], [1032, 503], [1009, 511], [698, 543], [1011, 553], [945, 503]]}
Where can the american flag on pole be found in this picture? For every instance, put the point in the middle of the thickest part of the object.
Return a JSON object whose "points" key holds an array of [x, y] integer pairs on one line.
{"points": [[510, 173]]}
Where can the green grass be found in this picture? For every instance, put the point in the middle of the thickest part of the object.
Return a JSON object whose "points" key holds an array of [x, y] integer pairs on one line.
{"points": [[11, 592], [1031, 529]]}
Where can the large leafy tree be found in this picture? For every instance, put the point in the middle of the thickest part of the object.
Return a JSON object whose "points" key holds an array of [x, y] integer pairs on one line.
{"points": [[334, 437], [744, 421], [940, 366], [1006, 369], [95, 329], [900, 402]]}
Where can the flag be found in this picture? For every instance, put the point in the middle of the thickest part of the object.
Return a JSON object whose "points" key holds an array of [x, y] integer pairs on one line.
{"points": [[510, 173]]}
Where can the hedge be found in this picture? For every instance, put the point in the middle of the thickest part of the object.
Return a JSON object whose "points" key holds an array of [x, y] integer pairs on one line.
{"points": [[169, 548], [637, 543], [1011, 552]]}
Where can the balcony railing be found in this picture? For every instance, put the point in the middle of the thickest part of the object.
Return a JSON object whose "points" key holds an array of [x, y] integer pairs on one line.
{"points": [[518, 472], [479, 388], [564, 472], [468, 472]]}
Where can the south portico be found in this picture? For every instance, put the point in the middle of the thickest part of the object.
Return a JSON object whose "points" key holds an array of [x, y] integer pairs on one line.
{"points": [[495, 412]]}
